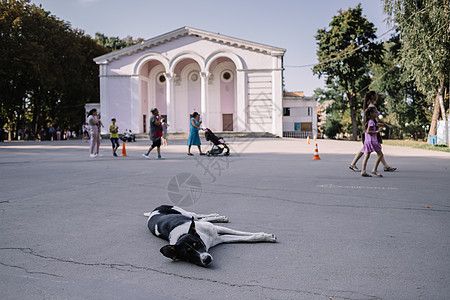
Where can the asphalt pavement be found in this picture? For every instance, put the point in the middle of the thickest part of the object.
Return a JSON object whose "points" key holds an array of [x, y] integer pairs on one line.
{"points": [[72, 227]]}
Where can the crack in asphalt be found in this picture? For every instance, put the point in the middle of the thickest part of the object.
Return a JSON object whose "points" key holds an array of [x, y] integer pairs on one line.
{"points": [[340, 205], [27, 271], [130, 268]]}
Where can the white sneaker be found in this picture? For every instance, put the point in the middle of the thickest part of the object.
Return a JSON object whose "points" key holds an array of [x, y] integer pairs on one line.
{"points": [[93, 155], [99, 155]]}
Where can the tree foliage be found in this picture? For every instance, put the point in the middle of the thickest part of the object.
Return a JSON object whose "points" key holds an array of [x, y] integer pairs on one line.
{"points": [[346, 52], [425, 35], [115, 43], [405, 107], [332, 128], [424, 27], [47, 72]]}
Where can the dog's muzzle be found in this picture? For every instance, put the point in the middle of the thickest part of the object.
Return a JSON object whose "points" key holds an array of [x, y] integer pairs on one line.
{"points": [[206, 259]]}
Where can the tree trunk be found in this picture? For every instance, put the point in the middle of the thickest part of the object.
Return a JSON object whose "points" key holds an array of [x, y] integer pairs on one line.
{"points": [[352, 103], [441, 97], [433, 127]]}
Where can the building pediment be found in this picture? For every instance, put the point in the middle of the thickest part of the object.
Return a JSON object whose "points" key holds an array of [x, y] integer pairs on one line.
{"points": [[188, 31]]}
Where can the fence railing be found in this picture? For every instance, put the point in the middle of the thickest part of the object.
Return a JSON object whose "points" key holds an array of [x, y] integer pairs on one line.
{"points": [[298, 134]]}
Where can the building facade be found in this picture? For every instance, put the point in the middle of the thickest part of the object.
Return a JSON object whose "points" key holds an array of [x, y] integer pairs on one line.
{"points": [[299, 115], [236, 85]]}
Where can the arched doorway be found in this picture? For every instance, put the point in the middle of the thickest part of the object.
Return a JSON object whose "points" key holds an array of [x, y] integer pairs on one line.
{"points": [[152, 87], [187, 92], [222, 94]]}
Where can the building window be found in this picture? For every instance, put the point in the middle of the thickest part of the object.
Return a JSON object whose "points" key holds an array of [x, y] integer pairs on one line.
{"points": [[227, 76], [307, 126], [297, 126], [286, 111], [310, 109], [194, 77], [161, 79]]}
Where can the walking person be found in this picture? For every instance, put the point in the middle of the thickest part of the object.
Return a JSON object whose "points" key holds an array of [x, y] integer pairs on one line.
{"points": [[114, 136], [194, 138], [51, 132], [27, 133], [371, 142], [164, 133], [369, 101], [58, 133], [85, 132], [93, 132], [100, 125], [155, 134], [42, 134]]}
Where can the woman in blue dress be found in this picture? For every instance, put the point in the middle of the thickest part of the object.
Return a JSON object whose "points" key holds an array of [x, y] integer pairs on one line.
{"points": [[194, 138]]}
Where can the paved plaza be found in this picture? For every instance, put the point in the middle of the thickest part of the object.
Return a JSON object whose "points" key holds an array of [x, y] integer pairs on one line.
{"points": [[72, 227]]}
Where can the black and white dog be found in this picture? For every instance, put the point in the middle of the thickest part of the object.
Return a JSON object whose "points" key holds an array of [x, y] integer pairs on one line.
{"points": [[190, 235]]}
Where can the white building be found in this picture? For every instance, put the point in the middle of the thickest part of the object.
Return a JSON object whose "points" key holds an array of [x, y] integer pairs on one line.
{"points": [[236, 85], [299, 115]]}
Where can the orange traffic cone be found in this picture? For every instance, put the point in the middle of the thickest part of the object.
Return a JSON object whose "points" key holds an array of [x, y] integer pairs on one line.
{"points": [[314, 138], [307, 140], [124, 151], [316, 153]]}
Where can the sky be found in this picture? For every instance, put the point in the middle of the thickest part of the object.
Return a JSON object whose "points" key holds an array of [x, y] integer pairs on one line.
{"points": [[288, 24]]}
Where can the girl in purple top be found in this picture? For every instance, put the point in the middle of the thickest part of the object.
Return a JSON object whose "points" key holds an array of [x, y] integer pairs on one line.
{"points": [[371, 141], [369, 101]]}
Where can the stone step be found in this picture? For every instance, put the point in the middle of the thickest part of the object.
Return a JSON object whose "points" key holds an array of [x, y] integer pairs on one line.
{"points": [[225, 134]]}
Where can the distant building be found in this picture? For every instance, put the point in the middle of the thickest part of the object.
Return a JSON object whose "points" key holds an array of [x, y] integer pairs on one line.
{"points": [[236, 85], [299, 115]]}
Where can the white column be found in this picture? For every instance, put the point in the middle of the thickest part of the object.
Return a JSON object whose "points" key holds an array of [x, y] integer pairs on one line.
{"points": [[104, 95], [170, 101], [241, 100], [204, 110], [277, 96], [135, 104]]}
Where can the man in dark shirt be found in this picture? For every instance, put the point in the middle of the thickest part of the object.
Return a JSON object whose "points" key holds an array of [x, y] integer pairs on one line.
{"points": [[155, 134]]}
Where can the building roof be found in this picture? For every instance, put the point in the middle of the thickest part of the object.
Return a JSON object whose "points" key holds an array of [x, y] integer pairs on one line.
{"points": [[294, 94], [189, 31]]}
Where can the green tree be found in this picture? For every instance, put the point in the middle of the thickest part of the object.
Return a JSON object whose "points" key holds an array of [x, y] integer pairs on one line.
{"points": [[46, 68], [425, 50], [332, 127], [115, 43], [405, 106], [346, 52]]}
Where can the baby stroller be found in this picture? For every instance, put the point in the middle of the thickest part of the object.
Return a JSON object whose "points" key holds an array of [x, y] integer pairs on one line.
{"points": [[218, 144], [128, 137]]}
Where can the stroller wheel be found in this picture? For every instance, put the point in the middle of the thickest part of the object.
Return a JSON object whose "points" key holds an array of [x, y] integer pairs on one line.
{"points": [[226, 154], [208, 153]]}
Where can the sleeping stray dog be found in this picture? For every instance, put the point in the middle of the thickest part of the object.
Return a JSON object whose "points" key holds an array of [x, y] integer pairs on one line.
{"points": [[190, 235]]}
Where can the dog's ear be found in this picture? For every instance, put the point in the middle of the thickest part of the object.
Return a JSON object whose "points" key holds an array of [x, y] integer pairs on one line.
{"points": [[192, 229], [169, 251]]}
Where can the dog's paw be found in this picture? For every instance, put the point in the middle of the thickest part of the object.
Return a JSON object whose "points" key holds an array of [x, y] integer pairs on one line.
{"points": [[223, 219], [271, 238], [217, 219]]}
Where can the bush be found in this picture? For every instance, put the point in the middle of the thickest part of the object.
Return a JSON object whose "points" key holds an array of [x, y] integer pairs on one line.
{"points": [[332, 128]]}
